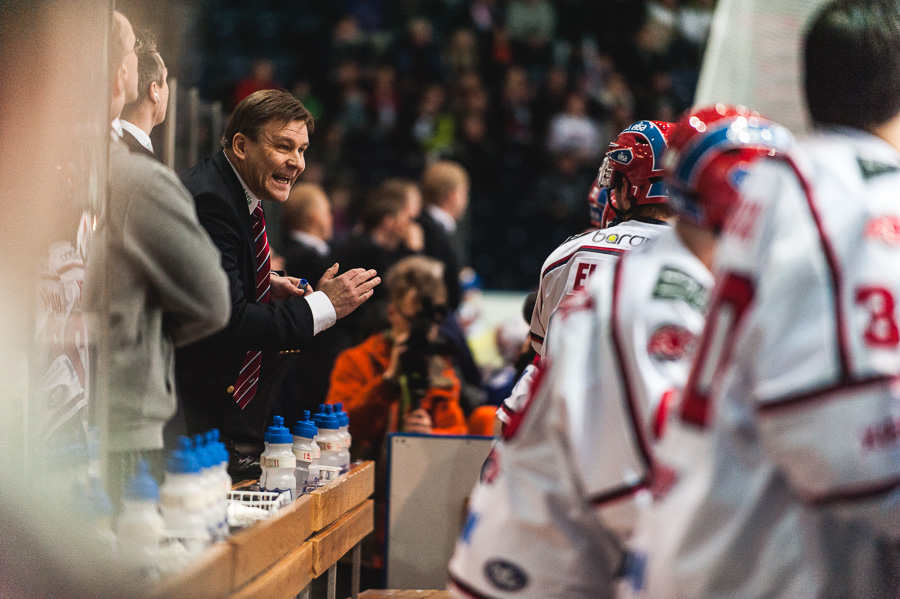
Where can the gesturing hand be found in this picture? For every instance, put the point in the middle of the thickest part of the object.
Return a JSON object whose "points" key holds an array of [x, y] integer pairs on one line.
{"points": [[283, 288], [417, 421], [349, 290]]}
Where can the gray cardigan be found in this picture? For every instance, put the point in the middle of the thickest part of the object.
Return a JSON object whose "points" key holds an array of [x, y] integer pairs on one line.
{"points": [[166, 288]]}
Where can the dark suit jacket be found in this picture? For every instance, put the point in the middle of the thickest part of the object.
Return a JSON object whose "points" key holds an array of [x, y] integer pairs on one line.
{"points": [[301, 260], [439, 245], [207, 370], [136, 147]]}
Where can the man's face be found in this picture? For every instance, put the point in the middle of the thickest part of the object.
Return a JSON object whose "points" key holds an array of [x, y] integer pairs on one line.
{"points": [[270, 165], [129, 63], [407, 216]]}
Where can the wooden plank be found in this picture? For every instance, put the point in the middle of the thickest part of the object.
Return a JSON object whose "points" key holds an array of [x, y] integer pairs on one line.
{"points": [[339, 538], [258, 547], [398, 594], [209, 577], [342, 495], [284, 580]]}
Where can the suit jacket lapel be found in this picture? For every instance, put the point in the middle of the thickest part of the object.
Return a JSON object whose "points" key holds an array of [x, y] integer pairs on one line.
{"points": [[235, 192]]}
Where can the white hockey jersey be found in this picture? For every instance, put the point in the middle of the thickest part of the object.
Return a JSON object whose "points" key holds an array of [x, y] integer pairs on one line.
{"points": [[566, 271], [558, 493], [568, 267], [787, 451]]}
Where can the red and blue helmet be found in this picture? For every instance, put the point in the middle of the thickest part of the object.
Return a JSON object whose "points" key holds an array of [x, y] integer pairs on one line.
{"points": [[710, 155], [636, 158]]}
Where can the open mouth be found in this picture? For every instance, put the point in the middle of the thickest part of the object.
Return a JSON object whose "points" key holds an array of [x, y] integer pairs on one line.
{"points": [[282, 179]]}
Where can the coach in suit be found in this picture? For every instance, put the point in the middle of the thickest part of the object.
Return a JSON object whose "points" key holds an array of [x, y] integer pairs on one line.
{"points": [[149, 109], [229, 380]]}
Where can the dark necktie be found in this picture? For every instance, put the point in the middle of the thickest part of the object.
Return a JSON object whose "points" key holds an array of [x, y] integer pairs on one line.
{"points": [[245, 387]]}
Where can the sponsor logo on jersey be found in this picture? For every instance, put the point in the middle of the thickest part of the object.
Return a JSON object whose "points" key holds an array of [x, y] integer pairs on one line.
{"points": [[885, 229], [583, 270], [505, 575], [881, 436], [671, 342], [640, 126], [465, 536], [490, 469], [675, 284], [613, 238]]}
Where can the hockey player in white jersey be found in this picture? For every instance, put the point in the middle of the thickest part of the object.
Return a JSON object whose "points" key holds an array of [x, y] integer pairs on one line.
{"points": [[632, 177], [560, 492], [796, 381]]}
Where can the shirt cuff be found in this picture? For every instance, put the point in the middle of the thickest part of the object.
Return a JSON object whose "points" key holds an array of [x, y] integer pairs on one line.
{"points": [[323, 312]]}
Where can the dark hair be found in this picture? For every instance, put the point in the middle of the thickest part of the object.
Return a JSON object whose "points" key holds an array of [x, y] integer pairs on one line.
{"points": [[385, 200], [852, 55], [150, 69], [260, 108]]}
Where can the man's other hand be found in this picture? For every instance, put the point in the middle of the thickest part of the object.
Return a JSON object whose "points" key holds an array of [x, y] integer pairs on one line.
{"points": [[349, 290], [283, 288]]}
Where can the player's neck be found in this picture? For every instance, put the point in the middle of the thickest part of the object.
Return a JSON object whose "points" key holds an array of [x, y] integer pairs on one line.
{"points": [[889, 132], [701, 242]]}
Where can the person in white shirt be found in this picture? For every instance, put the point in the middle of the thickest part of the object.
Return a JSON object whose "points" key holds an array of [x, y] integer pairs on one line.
{"points": [[795, 491], [148, 110], [560, 492]]}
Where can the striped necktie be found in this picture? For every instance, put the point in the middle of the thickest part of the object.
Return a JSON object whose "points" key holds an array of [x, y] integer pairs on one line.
{"points": [[245, 387]]}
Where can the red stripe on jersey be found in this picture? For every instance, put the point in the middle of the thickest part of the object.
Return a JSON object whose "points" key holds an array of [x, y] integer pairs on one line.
{"points": [[619, 493], [851, 494], [833, 266], [584, 248], [464, 589], [820, 395], [619, 354]]}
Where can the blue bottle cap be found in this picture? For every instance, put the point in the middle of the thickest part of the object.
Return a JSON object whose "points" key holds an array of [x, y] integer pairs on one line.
{"points": [[305, 428], [219, 452], [183, 460], [142, 486], [203, 453], [343, 417]]}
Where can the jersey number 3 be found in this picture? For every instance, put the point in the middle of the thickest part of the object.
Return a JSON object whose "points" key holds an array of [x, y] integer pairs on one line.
{"points": [[882, 330]]}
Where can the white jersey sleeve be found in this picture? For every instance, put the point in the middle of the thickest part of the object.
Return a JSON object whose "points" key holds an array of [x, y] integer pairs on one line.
{"points": [[557, 495]]}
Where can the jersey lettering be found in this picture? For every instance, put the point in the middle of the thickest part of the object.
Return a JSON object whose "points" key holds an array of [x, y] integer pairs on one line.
{"points": [[582, 271], [735, 294], [882, 330]]}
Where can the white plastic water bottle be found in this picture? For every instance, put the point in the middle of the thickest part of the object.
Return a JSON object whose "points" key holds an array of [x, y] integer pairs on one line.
{"points": [[346, 439], [139, 527], [306, 450], [183, 500], [208, 482], [223, 482], [328, 438], [280, 462], [263, 457]]}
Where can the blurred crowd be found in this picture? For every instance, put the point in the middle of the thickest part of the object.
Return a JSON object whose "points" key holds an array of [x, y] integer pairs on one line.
{"points": [[525, 94]]}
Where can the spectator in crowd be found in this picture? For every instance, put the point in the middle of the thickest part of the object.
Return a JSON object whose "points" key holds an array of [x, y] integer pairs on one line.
{"points": [[531, 25], [445, 190], [307, 217], [149, 109], [226, 381], [387, 233], [154, 274], [262, 76], [372, 379]]}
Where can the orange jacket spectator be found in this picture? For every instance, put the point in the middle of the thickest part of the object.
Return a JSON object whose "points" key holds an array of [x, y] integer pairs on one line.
{"points": [[373, 402]]}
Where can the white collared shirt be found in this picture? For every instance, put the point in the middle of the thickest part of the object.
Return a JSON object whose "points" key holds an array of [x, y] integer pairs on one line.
{"points": [[443, 217], [322, 309], [139, 134], [319, 245], [117, 126]]}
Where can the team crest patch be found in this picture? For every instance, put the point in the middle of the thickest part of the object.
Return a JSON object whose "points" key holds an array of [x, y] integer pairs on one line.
{"points": [[671, 342], [885, 229], [505, 575]]}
